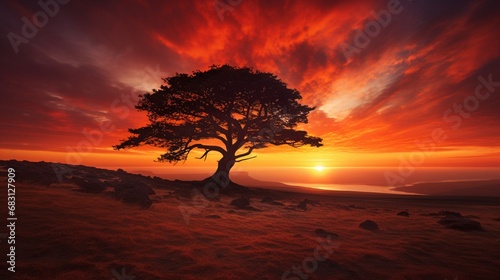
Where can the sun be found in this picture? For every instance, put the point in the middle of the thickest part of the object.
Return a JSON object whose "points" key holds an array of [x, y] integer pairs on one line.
{"points": [[319, 168]]}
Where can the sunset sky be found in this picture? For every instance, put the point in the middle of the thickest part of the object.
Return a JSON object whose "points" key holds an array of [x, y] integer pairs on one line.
{"points": [[427, 78]]}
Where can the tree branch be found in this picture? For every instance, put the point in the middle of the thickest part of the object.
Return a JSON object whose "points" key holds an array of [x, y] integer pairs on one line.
{"points": [[245, 154], [240, 160], [209, 147], [205, 154]]}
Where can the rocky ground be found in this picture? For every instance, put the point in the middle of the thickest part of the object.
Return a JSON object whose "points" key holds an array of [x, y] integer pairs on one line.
{"points": [[77, 222]]}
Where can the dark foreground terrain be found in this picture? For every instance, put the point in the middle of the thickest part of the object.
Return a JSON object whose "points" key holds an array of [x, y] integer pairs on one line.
{"points": [[89, 223]]}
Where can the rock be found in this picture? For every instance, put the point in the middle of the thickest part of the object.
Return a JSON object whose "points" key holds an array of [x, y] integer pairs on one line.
{"points": [[134, 196], [134, 192], [460, 223], [241, 202], [496, 219], [89, 185], [325, 234], [121, 171], [271, 201], [302, 205], [404, 213], [213, 216], [369, 225], [38, 176], [134, 184]]}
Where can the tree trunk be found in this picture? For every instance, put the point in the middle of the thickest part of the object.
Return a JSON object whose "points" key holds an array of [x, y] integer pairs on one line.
{"points": [[221, 176], [224, 166]]}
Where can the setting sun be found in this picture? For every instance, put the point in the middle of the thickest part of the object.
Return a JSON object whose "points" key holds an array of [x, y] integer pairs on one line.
{"points": [[319, 168]]}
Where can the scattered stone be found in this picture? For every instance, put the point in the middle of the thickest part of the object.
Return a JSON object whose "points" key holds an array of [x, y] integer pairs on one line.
{"points": [[134, 184], [121, 171], [325, 234], [271, 201], [369, 225], [134, 196], [134, 192], [302, 205], [496, 219], [231, 211], [241, 202], [89, 185], [213, 216], [460, 223], [404, 213]]}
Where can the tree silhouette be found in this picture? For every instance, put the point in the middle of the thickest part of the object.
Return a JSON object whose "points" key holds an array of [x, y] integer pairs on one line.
{"points": [[221, 110]]}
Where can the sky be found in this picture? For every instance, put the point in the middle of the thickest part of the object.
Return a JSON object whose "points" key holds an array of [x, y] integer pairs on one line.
{"points": [[393, 82]]}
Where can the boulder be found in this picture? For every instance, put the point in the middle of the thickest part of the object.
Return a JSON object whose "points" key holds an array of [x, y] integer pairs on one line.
{"points": [[369, 225], [134, 184], [404, 213], [89, 185], [241, 202], [460, 223], [134, 192], [121, 171], [271, 201]]}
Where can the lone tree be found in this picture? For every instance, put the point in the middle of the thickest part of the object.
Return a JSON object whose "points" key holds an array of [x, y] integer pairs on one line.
{"points": [[221, 110]]}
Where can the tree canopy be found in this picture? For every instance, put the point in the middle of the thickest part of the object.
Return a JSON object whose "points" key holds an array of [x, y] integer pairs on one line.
{"points": [[222, 110]]}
